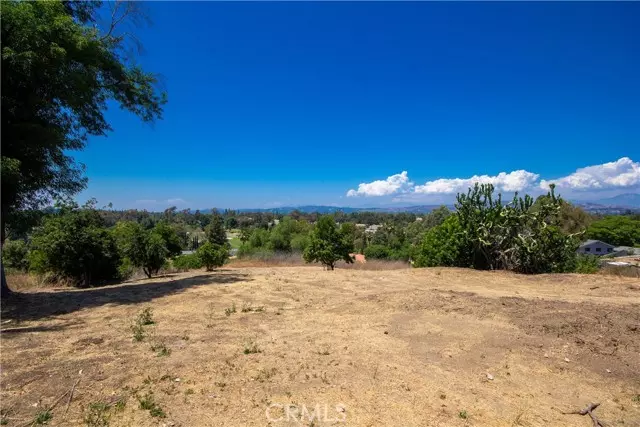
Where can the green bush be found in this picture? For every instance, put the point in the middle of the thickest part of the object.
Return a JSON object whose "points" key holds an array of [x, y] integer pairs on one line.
{"points": [[444, 245], [377, 252], [74, 244], [212, 256], [586, 264], [15, 255], [187, 262]]}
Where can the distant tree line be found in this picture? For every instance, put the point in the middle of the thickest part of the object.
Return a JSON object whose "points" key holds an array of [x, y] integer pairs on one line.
{"points": [[93, 246]]}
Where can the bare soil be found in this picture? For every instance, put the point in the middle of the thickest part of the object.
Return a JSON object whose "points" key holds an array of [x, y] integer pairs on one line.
{"points": [[421, 347]]}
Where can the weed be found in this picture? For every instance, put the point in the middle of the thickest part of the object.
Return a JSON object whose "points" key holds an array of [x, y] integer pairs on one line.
{"points": [[222, 385], [246, 307], [138, 332], [265, 374], [463, 414], [98, 415], [147, 402], [120, 404], [157, 412], [443, 396], [146, 317], [636, 398], [229, 311], [189, 391], [251, 347], [42, 417], [4, 422], [161, 349]]}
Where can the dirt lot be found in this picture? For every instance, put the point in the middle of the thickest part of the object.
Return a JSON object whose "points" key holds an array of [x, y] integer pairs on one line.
{"points": [[431, 347]]}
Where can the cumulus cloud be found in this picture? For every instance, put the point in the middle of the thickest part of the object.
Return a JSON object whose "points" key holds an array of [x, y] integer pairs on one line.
{"points": [[395, 184], [622, 173], [513, 181]]}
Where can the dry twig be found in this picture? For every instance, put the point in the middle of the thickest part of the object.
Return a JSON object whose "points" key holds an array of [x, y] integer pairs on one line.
{"points": [[589, 411]]}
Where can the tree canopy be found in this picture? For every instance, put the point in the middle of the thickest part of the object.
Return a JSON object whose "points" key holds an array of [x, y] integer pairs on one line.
{"points": [[328, 244], [59, 70]]}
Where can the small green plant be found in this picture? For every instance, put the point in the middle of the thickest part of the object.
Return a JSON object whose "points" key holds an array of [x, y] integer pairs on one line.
{"points": [[146, 317], [251, 347], [42, 417], [120, 404], [148, 403], [4, 422], [161, 349], [229, 311], [246, 307], [138, 332], [143, 319], [189, 391], [463, 414], [97, 415], [636, 398], [587, 264]]}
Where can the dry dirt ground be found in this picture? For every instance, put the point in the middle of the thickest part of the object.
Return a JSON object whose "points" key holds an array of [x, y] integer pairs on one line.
{"points": [[422, 347]]}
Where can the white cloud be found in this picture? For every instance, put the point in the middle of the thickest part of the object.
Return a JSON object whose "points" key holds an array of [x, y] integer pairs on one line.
{"points": [[394, 184], [513, 181], [619, 174]]}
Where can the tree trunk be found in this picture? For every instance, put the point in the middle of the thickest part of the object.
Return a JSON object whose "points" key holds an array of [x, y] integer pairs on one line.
{"points": [[147, 272], [4, 288]]}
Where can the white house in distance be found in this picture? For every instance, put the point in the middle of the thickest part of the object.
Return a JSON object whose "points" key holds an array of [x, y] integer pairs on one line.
{"points": [[595, 247]]}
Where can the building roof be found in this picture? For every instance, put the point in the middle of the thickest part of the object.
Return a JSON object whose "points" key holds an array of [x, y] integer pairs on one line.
{"points": [[591, 241]]}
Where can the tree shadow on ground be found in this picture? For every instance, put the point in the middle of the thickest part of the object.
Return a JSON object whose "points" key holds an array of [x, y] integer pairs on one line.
{"points": [[40, 305]]}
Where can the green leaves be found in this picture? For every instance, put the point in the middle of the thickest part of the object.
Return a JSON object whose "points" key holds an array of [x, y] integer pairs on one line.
{"points": [[212, 256], [58, 72], [486, 234], [328, 244]]}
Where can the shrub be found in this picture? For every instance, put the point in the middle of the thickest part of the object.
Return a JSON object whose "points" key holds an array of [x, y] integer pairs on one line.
{"points": [[212, 256], [187, 262], [443, 245], [74, 244], [376, 252], [587, 264], [15, 255]]}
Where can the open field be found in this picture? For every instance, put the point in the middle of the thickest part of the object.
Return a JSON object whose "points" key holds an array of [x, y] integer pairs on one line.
{"points": [[422, 347]]}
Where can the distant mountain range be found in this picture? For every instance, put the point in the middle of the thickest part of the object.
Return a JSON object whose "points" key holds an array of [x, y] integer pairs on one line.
{"points": [[622, 200], [332, 209], [613, 205]]}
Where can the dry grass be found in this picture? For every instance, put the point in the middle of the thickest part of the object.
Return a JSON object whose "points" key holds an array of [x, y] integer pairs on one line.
{"points": [[378, 348]]}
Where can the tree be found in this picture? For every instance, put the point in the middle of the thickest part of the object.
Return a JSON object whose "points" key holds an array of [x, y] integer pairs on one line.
{"points": [[58, 72], [328, 244], [616, 230], [170, 238], [75, 244], [215, 231], [212, 256], [141, 248], [515, 236]]}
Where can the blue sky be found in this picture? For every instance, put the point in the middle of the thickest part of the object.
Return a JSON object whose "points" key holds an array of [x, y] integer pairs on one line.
{"points": [[298, 103]]}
